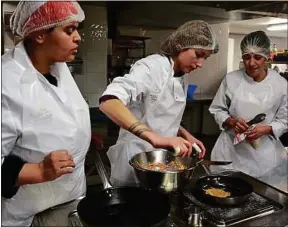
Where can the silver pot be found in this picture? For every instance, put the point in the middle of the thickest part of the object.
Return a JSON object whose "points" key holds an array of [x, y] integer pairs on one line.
{"points": [[167, 180]]}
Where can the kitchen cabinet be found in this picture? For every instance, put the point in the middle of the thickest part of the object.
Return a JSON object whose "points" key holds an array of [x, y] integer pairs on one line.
{"points": [[197, 118]]}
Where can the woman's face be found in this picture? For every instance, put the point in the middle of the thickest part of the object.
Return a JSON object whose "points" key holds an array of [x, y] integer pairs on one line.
{"points": [[62, 42], [191, 59], [254, 64]]}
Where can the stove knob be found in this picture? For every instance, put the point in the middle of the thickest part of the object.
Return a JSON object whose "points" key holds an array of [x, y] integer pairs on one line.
{"points": [[195, 218]]}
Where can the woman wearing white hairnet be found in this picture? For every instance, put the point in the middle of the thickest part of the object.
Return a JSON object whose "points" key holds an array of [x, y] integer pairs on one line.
{"points": [[148, 103], [242, 95], [45, 120]]}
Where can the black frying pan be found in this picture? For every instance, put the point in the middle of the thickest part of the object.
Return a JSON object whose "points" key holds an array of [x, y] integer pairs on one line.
{"points": [[122, 206], [239, 189], [127, 206]]}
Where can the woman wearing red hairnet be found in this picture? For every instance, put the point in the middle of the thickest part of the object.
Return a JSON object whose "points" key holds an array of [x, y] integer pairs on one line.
{"points": [[46, 124]]}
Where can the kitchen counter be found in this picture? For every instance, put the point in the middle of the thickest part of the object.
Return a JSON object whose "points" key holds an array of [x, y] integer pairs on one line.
{"points": [[278, 218], [201, 97]]}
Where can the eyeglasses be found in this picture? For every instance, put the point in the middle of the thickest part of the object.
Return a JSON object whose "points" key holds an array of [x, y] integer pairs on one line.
{"points": [[248, 57]]}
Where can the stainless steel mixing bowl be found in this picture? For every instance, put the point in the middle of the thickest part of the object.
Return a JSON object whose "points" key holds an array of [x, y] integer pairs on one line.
{"points": [[163, 180]]}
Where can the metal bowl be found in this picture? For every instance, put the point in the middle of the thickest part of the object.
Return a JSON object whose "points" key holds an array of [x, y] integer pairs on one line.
{"points": [[163, 180]]}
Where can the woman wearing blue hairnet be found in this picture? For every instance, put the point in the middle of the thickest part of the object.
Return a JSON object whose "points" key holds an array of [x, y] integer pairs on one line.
{"points": [[148, 103], [242, 95]]}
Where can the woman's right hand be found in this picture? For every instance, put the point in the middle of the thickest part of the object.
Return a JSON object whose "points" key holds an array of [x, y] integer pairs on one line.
{"points": [[238, 125], [181, 146], [56, 164]]}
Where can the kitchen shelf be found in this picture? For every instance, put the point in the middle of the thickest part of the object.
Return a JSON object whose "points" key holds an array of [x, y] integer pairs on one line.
{"points": [[131, 37], [278, 62], [123, 57]]}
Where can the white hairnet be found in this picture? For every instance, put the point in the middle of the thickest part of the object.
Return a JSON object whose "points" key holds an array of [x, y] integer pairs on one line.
{"points": [[193, 34], [256, 43], [40, 15]]}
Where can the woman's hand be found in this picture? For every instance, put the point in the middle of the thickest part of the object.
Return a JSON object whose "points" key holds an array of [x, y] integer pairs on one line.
{"points": [[56, 164], [181, 146], [187, 136], [193, 140], [258, 131], [53, 166], [238, 125]]}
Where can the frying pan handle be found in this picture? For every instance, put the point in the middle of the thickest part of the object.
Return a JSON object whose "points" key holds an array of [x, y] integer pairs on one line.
{"points": [[101, 171], [97, 144], [207, 170]]}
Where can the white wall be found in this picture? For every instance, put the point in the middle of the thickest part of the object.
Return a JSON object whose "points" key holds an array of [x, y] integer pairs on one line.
{"points": [[209, 77], [281, 43], [230, 60]]}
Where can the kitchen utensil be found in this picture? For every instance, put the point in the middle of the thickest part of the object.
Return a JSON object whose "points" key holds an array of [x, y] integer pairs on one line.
{"points": [[197, 148], [122, 206], [194, 145], [240, 189], [217, 163], [167, 180], [257, 119]]}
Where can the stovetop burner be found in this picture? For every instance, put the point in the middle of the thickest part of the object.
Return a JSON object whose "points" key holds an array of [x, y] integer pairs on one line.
{"points": [[256, 206]]}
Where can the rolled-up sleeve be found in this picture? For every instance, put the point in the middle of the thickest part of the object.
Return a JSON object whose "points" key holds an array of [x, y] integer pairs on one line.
{"points": [[280, 122], [219, 107], [130, 86]]}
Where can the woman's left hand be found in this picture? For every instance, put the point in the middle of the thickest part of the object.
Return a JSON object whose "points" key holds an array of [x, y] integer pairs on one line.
{"points": [[193, 140], [258, 131]]}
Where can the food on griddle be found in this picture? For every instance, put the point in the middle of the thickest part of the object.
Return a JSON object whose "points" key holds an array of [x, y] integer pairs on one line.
{"points": [[159, 166], [217, 192]]}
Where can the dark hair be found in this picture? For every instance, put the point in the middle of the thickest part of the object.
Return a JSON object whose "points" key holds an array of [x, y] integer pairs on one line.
{"points": [[50, 29]]}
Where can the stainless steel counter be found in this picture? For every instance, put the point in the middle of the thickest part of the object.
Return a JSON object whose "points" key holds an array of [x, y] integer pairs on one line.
{"points": [[279, 218]]}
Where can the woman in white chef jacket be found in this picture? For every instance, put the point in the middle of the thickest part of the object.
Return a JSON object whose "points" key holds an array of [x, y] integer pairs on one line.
{"points": [[242, 95], [45, 120], [148, 103]]}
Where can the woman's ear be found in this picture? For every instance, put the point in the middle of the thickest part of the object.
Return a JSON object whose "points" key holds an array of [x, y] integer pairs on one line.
{"points": [[38, 37]]}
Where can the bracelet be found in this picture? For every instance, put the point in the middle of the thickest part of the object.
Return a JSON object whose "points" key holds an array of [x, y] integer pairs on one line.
{"points": [[134, 125], [140, 131]]}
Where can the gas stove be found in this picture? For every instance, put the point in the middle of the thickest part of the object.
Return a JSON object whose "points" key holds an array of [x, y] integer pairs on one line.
{"points": [[189, 210], [256, 206], [194, 212]]}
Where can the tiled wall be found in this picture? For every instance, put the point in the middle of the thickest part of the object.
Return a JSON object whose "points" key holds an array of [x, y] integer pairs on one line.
{"points": [[93, 50]]}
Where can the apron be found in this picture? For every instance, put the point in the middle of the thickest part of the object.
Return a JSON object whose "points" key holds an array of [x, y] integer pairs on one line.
{"points": [[268, 162], [164, 117]]}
